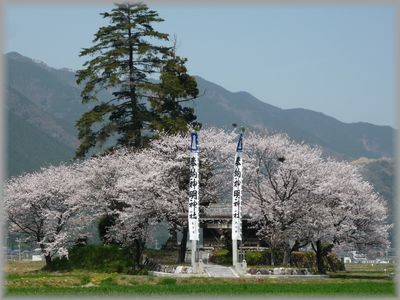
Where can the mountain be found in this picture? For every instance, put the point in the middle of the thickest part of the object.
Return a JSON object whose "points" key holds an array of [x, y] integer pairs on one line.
{"points": [[43, 105], [53, 91], [381, 174], [29, 148], [220, 107], [40, 121]]}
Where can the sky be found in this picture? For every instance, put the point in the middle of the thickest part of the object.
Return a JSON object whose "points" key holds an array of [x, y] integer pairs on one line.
{"points": [[335, 59]]}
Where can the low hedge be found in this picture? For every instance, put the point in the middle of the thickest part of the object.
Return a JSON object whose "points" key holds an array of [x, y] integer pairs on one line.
{"points": [[304, 260], [100, 258], [308, 260], [334, 263], [254, 258], [264, 257], [297, 259], [221, 257]]}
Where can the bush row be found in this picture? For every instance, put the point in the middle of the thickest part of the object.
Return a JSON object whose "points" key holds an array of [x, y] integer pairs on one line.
{"points": [[297, 259], [221, 257], [99, 258], [111, 258]]}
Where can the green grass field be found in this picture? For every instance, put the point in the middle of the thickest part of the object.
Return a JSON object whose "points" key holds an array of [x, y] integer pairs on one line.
{"points": [[26, 278]]}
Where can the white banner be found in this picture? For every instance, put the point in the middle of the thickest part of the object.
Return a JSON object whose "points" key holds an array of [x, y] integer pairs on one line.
{"points": [[193, 214], [237, 193]]}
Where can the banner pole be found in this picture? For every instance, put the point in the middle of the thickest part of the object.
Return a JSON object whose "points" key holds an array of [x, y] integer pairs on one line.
{"points": [[237, 201], [193, 211], [234, 253]]}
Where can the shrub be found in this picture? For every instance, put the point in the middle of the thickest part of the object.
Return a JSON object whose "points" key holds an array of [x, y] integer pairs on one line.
{"points": [[304, 260], [278, 257], [308, 260], [85, 279], [333, 264], [109, 281], [264, 257], [297, 259], [256, 257], [167, 281], [102, 258], [221, 257]]}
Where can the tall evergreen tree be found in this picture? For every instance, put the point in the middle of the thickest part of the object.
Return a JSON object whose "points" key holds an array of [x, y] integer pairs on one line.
{"points": [[127, 57], [176, 86]]}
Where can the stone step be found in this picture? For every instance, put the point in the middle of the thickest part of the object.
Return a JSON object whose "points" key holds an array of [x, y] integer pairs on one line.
{"points": [[220, 271]]}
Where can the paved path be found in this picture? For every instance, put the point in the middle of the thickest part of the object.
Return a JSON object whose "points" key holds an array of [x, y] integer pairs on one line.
{"points": [[220, 271]]}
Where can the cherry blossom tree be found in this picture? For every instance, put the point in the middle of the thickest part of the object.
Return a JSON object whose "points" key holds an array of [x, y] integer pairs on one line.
{"points": [[121, 183], [101, 176], [345, 211], [48, 207], [172, 153], [291, 190], [279, 173], [295, 194]]}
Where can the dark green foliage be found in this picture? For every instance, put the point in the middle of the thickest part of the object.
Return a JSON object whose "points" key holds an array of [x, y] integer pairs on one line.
{"points": [[167, 281], [104, 224], [333, 263], [303, 260], [322, 249], [308, 260], [100, 258], [221, 257], [125, 57], [278, 256], [297, 259], [108, 282], [85, 279], [256, 257], [264, 257], [175, 86]]}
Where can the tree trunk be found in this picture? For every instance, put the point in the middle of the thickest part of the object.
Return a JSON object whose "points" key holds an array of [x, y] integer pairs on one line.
{"points": [[272, 257], [174, 235], [172, 240], [182, 249], [46, 257], [135, 117], [320, 257], [48, 261], [139, 246], [296, 247], [286, 255]]}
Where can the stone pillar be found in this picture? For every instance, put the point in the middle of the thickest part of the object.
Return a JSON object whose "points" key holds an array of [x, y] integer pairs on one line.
{"points": [[201, 266], [194, 267], [234, 253], [244, 266]]}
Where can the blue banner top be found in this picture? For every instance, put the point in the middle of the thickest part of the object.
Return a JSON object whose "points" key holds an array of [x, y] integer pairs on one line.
{"points": [[194, 145], [239, 147]]}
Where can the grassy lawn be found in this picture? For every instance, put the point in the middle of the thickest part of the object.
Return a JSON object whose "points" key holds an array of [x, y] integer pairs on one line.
{"points": [[370, 268], [26, 278], [367, 271]]}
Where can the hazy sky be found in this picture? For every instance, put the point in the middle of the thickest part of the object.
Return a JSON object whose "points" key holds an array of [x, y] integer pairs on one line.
{"points": [[339, 60]]}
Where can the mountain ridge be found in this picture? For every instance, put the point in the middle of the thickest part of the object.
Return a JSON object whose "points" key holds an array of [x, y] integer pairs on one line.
{"points": [[43, 104], [344, 140], [55, 97]]}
